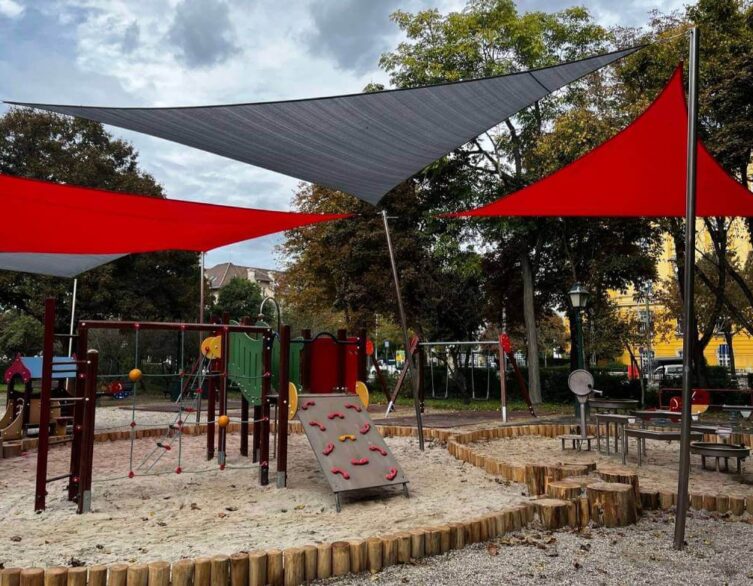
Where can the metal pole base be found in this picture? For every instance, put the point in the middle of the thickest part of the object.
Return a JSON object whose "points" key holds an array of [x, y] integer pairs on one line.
{"points": [[282, 479]]}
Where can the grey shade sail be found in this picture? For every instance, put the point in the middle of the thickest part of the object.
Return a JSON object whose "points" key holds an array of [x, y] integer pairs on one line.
{"points": [[53, 265], [362, 144]]}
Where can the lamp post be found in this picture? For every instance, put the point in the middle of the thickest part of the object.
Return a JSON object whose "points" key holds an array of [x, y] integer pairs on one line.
{"points": [[579, 299]]}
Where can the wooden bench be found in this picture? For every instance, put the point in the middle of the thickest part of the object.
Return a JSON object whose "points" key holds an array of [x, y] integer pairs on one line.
{"points": [[577, 440], [641, 435]]}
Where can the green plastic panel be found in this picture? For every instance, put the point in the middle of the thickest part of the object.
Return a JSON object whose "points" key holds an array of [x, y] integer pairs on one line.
{"points": [[245, 365]]}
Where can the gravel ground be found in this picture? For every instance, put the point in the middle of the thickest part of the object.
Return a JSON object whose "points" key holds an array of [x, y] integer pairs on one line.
{"points": [[718, 552]]}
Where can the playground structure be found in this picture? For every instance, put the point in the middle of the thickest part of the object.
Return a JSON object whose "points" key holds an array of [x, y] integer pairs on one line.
{"points": [[500, 350], [22, 411], [267, 367]]}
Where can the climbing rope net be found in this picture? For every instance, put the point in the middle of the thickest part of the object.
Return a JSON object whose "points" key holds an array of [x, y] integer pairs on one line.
{"points": [[187, 409]]}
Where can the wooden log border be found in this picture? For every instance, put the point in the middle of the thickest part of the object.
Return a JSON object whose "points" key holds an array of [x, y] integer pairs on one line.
{"points": [[296, 565]]}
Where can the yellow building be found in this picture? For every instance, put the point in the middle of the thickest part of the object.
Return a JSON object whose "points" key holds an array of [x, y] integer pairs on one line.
{"points": [[666, 343]]}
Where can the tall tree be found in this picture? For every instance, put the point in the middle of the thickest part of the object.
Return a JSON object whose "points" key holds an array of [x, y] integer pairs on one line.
{"points": [[55, 148], [490, 37], [726, 114]]}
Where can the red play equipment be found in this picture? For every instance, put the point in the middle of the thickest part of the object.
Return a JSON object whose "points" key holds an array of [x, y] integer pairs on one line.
{"points": [[329, 364]]}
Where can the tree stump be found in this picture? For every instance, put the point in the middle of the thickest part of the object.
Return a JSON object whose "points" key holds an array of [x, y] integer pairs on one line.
{"points": [[257, 568], [340, 558], [220, 569], [10, 577], [275, 572], [566, 490], [612, 504], [622, 475], [138, 575], [159, 574], [77, 576], [238, 570], [323, 560], [535, 477], [294, 566], [737, 505], [358, 556], [553, 513], [389, 550], [309, 561], [182, 573], [404, 547], [202, 572]]}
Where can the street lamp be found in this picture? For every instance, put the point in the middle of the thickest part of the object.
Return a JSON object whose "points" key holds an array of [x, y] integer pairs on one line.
{"points": [[579, 299]]}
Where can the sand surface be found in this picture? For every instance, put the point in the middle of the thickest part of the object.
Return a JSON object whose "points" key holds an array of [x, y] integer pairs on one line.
{"points": [[659, 469], [171, 516]]}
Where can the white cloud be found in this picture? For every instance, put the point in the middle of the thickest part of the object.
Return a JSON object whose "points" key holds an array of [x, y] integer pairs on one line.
{"points": [[11, 8]]}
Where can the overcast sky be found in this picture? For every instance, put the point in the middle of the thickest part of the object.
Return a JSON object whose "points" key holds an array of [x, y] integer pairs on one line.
{"points": [[193, 52]]}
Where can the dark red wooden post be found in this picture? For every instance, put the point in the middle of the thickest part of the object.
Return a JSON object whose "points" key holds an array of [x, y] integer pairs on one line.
{"points": [[266, 388], [78, 412], [87, 433], [40, 495], [283, 401], [342, 336]]}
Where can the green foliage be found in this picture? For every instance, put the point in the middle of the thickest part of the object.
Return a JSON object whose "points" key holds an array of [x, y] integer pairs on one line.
{"points": [[239, 298], [157, 286], [20, 334]]}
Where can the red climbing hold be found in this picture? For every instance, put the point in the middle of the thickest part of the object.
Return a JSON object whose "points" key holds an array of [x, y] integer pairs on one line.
{"points": [[335, 414], [378, 449], [131, 474], [308, 404], [178, 470], [341, 472], [133, 424], [328, 449], [222, 466], [317, 424], [365, 428], [361, 462], [392, 473], [356, 408]]}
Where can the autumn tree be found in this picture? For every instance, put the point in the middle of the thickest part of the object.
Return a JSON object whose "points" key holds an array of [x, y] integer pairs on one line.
{"points": [[56, 148]]}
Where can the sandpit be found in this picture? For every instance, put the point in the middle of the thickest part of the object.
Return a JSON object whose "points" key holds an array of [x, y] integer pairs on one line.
{"points": [[173, 516], [658, 472]]}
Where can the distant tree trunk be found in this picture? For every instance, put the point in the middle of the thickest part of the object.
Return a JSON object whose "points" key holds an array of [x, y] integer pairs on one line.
{"points": [[529, 316]]}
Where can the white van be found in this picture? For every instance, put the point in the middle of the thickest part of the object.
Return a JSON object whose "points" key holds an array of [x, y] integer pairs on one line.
{"points": [[668, 371]]}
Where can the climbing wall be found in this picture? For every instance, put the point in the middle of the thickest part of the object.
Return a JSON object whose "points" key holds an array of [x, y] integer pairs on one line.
{"points": [[350, 450]]}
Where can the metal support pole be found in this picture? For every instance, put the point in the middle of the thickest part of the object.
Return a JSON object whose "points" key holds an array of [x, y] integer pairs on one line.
{"points": [[406, 341], [73, 320], [283, 407], [688, 309], [581, 350], [201, 289]]}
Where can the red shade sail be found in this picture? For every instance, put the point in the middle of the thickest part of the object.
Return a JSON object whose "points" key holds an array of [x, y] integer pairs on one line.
{"points": [[640, 172], [85, 227]]}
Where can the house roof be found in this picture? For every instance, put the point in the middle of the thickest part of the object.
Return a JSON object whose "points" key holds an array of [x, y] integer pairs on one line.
{"points": [[221, 274]]}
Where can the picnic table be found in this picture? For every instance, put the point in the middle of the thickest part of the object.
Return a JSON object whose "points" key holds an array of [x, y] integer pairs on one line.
{"points": [[619, 422]]}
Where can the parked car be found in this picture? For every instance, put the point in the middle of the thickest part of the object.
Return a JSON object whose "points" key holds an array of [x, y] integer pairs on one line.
{"points": [[667, 371]]}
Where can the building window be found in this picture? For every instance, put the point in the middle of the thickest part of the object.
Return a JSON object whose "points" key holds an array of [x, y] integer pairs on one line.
{"points": [[722, 354]]}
